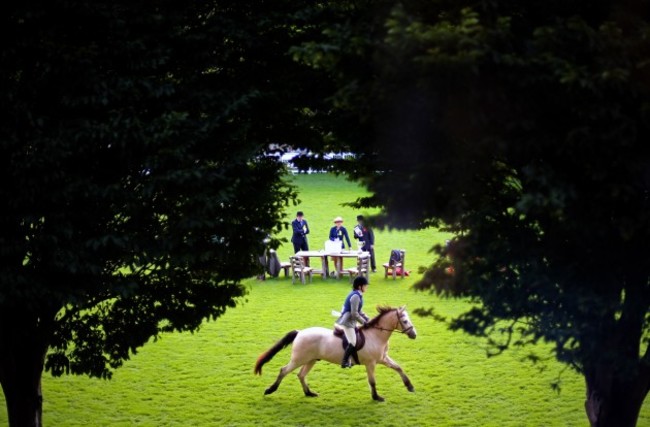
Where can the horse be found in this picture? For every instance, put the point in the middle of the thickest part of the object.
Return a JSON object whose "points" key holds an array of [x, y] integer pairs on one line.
{"points": [[313, 344]]}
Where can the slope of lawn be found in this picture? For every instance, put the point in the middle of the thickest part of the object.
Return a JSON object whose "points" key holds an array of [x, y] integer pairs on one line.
{"points": [[206, 378]]}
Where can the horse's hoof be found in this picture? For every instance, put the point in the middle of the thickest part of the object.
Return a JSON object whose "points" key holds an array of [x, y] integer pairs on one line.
{"points": [[271, 389], [311, 394], [411, 389], [378, 398]]}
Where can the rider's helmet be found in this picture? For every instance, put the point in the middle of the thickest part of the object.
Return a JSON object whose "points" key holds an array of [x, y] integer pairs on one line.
{"points": [[359, 282]]}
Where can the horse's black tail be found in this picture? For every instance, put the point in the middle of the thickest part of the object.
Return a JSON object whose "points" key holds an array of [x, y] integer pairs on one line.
{"points": [[268, 355]]}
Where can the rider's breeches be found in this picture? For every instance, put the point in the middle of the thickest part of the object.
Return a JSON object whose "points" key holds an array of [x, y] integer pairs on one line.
{"points": [[350, 334]]}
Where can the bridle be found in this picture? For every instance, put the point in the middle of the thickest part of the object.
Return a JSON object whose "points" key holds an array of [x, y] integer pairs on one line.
{"points": [[399, 322]]}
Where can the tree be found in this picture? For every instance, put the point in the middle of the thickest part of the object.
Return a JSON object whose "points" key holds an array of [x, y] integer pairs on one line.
{"points": [[136, 183], [522, 128]]}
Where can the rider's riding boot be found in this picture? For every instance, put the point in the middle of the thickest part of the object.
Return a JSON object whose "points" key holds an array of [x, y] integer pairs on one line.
{"points": [[355, 357], [345, 363]]}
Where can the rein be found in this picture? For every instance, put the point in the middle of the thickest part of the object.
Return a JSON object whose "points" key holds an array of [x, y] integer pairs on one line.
{"points": [[404, 331], [394, 330]]}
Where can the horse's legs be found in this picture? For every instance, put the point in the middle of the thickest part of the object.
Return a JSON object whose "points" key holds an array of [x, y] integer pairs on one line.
{"points": [[283, 373], [387, 361], [302, 375], [370, 370]]}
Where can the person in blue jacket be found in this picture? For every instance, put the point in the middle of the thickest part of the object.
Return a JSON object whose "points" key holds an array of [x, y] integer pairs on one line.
{"points": [[339, 232], [300, 232], [351, 315], [366, 236]]}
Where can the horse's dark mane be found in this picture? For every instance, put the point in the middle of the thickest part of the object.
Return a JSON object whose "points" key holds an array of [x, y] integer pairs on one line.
{"points": [[382, 310]]}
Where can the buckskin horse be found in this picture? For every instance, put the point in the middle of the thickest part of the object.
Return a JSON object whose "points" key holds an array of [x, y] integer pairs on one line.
{"points": [[313, 344]]}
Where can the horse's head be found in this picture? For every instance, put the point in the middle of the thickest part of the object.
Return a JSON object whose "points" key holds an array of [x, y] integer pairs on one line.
{"points": [[384, 321], [404, 322]]}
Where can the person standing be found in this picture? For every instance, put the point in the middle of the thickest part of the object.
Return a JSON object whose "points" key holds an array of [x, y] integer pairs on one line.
{"points": [[367, 237], [351, 314], [300, 231], [338, 232]]}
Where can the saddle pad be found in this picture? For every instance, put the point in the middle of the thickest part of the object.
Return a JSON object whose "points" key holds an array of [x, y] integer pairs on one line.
{"points": [[361, 338]]}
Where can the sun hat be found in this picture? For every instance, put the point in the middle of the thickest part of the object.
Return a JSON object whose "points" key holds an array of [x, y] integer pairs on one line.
{"points": [[338, 219]]}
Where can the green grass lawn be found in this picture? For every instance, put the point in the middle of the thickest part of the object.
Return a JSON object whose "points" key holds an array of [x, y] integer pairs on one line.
{"points": [[206, 378]]}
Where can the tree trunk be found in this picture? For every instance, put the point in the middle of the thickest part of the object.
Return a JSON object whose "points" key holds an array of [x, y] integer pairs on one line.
{"points": [[24, 399], [22, 357], [614, 403]]}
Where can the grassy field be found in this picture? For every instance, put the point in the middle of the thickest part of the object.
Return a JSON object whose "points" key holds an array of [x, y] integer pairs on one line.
{"points": [[206, 378]]}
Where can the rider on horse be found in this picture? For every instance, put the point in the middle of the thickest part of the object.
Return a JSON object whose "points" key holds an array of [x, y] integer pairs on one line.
{"points": [[351, 314]]}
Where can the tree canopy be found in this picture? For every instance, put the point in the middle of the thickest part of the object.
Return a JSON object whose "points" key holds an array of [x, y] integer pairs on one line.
{"points": [[137, 184], [522, 128]]}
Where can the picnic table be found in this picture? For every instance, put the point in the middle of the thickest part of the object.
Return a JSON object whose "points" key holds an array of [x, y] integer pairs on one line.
{"points": [[324, 258]]}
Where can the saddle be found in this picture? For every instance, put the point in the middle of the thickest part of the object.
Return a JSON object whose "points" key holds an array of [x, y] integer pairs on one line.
{"points": [[361, 338]]}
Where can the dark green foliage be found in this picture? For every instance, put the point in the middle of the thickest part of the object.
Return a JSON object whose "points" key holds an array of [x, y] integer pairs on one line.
{"points": [[523, 128], [136, 192]]}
